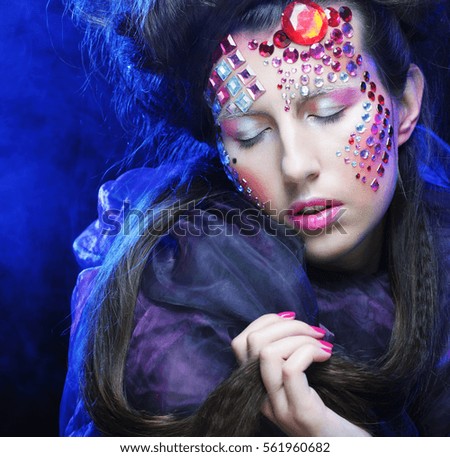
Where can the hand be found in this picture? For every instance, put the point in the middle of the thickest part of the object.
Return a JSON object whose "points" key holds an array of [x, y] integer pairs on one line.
{"points": [[286, 348]]}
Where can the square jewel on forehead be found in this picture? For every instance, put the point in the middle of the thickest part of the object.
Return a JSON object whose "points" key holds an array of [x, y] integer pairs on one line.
{"points": [[232, 83]]}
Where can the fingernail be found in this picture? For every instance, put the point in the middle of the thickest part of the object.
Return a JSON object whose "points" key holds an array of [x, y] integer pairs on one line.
{"points": [[318, 330], [287, 315], [327, 344], [328, 351]]}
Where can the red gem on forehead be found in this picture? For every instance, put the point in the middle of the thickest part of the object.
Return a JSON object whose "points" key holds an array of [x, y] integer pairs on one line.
{"points": [[304, 22], [281, 40]]}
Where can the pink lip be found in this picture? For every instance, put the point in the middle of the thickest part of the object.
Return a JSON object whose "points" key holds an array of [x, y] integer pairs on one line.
{"points": [[319, 220]]}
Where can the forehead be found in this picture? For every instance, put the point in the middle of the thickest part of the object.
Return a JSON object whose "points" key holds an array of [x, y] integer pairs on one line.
{"points": [[328, 52]]}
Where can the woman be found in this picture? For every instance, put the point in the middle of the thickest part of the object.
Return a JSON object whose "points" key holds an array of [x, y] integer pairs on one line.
{"points": [[313, 115]]}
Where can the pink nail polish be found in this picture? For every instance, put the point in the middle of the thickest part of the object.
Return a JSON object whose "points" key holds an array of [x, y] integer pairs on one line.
{"points": [[327, 344], [328, 351], [318, 330], [287, 315]]}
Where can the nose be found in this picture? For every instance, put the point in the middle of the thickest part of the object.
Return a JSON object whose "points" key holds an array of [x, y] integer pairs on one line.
{"points": [[300, 162]]}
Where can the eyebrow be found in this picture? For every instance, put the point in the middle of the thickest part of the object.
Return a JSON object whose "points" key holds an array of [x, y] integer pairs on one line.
{"points": [[298, 101]]}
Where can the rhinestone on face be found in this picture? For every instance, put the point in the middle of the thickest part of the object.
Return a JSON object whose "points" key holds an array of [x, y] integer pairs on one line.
{"points": [[223, 95], [316, 51], [380, 99], [333, 17], [266, 49], [281, 40], [380, 170], [346, 13], [337, 36], [304, 80], [318, 82], [364, 154], [339, 154], [326, 60], [348, 49], [371, 96], [377, 148], [234, 86], [304, 91], [360, 128], [247, 75], [318, 69], [243, 102], [329, 44], [223, 70], [374, 129], [347, 30], [337, 52], [276, 62], [366, 117], [306, 68], [366, 76], [385, 158], [228, 45], [359, 60], [304, 23], [363, 87], [336, 66], [256, 90], [370, 141], [253, 45], [343, 77], [236, 60], [352, 68], [367, 106], [375, 185], [290, 55], [332, 77], [304, 55], [215, 80]]}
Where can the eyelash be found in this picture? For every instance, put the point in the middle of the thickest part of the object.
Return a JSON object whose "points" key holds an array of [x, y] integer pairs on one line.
{"points": [[330, 119], [249, 143]]}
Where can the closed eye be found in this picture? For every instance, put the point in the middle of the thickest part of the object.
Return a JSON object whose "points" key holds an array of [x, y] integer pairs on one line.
{"points": [[328, 119], [247, 143]]}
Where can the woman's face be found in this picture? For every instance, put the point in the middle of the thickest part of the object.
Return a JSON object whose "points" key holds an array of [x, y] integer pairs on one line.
{"points": [[323, 160]]}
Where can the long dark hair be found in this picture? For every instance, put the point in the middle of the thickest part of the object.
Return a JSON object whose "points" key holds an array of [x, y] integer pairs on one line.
{"points": [[174, 119]]}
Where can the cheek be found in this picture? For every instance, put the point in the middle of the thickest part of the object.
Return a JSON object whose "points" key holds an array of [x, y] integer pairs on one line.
{"points": [[369, 147], [252, 183]]}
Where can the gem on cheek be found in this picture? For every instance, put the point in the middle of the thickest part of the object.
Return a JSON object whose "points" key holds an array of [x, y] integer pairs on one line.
{"points": [[318, 82], [348, 49], [326, 60], [337, 36], [375, 185], [337, 52], [336, 66], [276, 62], [223, 95]]}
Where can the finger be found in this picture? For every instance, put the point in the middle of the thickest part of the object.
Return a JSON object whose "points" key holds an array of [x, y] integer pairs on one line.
{"points": [[279, 329], [282, 370], [274, 357], [239, 344]]}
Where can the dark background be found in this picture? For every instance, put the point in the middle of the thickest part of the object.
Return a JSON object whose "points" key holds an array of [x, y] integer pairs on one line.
{"points": [[58, 137]]}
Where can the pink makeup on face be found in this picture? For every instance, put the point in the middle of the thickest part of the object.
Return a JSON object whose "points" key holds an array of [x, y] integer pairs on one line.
{"points": [[318, 57]]}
